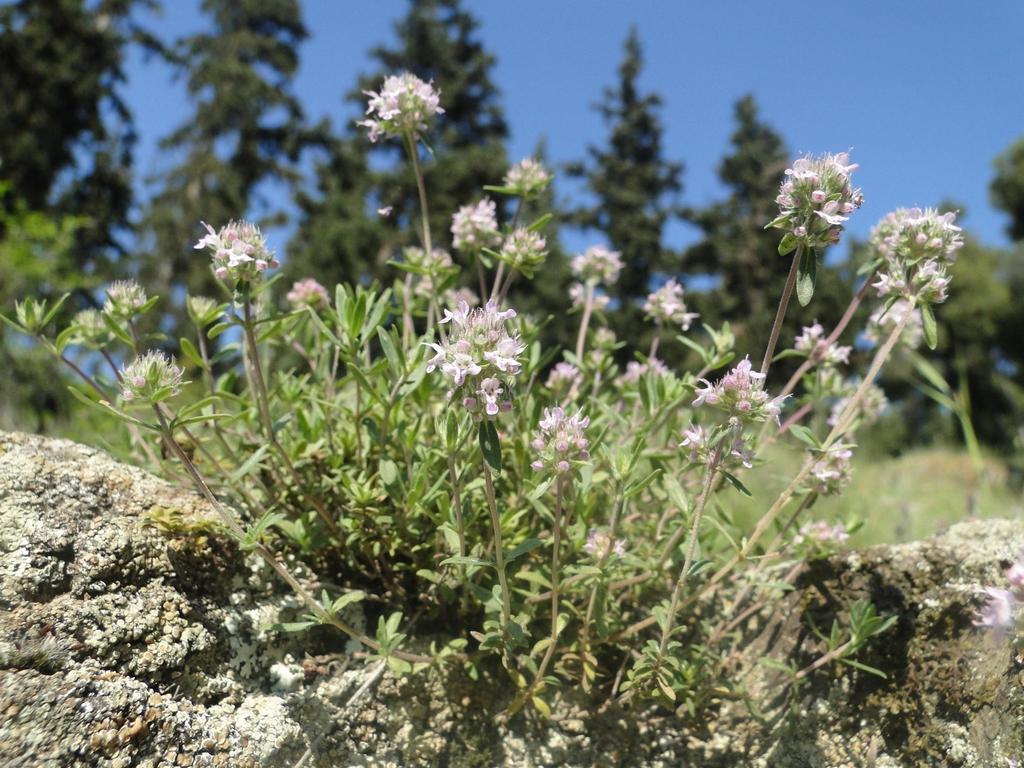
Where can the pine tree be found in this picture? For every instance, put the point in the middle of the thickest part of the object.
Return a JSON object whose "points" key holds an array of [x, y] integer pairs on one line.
{"points": [[741, 254], [340, 235], [633, 185], [66, 139], [247, 130]]}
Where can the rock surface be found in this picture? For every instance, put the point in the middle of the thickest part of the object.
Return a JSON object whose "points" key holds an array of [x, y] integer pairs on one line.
{"points": [[132, 636]]}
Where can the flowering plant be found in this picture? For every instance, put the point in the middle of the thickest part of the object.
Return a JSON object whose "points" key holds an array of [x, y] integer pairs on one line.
{"points": [[571, 513]]}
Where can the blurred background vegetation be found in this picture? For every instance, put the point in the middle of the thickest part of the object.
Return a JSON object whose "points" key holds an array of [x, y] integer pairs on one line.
{"points": [[72, 218]]}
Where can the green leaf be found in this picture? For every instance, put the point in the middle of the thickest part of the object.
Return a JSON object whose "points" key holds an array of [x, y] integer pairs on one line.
{"points": [[490, 445], [191, 352], [787, 244], [355, 596], [931, 329], [805, 435], [540, 223], [467, 561], [217, 330], [522, 548], [735, 483], [391, 353], [806, 272], [56, 308]]}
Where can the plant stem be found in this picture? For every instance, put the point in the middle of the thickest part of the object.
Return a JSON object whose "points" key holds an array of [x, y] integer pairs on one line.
{"points": [[556, 544], [499, 556], [780, 314], [269, 557], [588, 308]]}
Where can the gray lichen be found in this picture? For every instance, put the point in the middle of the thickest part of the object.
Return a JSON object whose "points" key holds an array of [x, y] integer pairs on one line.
{"points": [[132, 634]]}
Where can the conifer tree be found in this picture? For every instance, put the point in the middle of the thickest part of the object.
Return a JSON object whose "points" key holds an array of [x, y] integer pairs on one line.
{"points": [[633, 185], [741, 254], [341, 235], [246, 130]]}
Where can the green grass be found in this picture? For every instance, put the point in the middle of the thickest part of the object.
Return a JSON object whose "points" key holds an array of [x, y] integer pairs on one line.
{"points": [[898, 499]]}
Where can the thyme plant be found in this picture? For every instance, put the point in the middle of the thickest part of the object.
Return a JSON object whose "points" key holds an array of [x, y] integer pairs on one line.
{"points": [[538, 513]]}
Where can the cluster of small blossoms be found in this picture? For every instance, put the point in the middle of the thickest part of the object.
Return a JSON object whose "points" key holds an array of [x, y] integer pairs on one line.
{"points": [[150, 378], [869, 409], [816, 198], [524, 251], [480, 357], [831, 473], [741, 394], [883, 321], [527, 178], [698, 441], [915, 248], [307, 293], [597, 264], [431, 267], [89, 329], [635, 370], [666, 307], [240, 252], [813, 343], [560, 441], [125, 299], [404, 105], [599, 545], [1000, 608], [202, 309], [563, 377], [578, 296], [821, 534], [475, 226]]}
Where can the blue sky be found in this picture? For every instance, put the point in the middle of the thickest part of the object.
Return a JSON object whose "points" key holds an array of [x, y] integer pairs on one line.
{"points": [[925, 94]]}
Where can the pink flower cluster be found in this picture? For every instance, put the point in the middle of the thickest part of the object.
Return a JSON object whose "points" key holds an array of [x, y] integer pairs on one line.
{"points": [[563, 377], [831, 473], [597, 264], [816, 198], [701, 445], [524, 250], [480, 357], [560, 441], [307, 293], [240, 252], [1000, 608], [635, 370], [600, 545], [475, 226], [125, 299], [150, 378], [821, 534], [914, 249], [884, 319], [404, 105], [528, 177], [666, 306], [813, 343], [741, 394]]}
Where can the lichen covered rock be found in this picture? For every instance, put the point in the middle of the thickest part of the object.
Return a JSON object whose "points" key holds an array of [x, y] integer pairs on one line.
{"points": [[133, 634]]}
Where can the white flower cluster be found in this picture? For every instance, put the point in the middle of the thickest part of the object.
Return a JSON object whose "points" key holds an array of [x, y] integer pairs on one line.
{"points": [[307, 293], [90, 330], [404, 105], [563, 377], [699, 441], [599, 545], [150, 378], [915, 248], [480, 357], [524, 251], [869, 409], [527, 177], [432, 268], [597, 264], [820, 535], [814, 345], [883, 321], [635, 370], [830, 474], [816, 198], [475, 226], [1001, 608], [560, 441], [240, 252], [666, 306], [125, 299], [741, 394]]}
